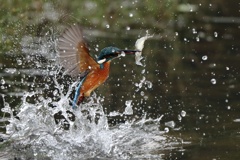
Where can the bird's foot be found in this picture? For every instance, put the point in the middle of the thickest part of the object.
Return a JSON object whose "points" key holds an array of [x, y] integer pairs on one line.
{"points": [[80, 99]]}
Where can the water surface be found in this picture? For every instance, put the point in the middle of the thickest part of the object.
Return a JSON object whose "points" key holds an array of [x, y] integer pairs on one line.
{"points": [[184, 100]]}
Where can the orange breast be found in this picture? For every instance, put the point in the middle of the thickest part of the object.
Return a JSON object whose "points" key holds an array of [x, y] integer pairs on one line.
{"points": [[94, 79]]}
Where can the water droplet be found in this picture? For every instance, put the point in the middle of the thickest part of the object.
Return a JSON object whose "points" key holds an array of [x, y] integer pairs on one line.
{"points": [[197, 39], [149, 84], [19, 62], [215, 34], [227, 68], [213, 81], [170, 124], [128, 110], [128, 103], [204, 58], [107, 26], [142, 93], [212, 65], [179, 117], [130, 15], [123, 54], [145, 98], [128, 28], [10, 70], [183, 113], [2, 81], [55, 92], [166, 129], [194, 31]]}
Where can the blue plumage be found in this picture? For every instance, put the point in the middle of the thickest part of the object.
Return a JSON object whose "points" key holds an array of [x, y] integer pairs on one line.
{"points": [[108, 53]]}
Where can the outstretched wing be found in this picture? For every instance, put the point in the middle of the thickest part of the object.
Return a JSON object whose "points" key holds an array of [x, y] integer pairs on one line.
{"points": [[73, 52]]}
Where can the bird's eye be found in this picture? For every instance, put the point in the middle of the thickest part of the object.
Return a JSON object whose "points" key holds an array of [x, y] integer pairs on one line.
{"points": [[109, 56]]}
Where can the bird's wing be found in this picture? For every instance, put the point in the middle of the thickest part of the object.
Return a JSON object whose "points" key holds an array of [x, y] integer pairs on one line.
{"points": [[73, 52]]}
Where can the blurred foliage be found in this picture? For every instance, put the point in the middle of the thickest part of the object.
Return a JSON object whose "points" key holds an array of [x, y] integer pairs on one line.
{"points": [[35, 17], [217, 8], [19, 18], [150, 14]]}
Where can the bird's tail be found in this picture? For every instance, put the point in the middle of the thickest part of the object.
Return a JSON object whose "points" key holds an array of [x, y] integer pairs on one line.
{"points": [[82, 76]]}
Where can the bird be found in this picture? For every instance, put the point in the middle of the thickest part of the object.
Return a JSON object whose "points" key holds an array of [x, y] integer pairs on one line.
{"points": [[75, 58]]}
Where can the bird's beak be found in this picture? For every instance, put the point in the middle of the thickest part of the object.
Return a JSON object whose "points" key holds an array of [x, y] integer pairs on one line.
{"points": [[130, 51], [122, 53]]}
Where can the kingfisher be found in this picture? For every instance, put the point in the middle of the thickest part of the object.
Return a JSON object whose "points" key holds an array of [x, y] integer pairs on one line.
{"points": [[74, 57]]}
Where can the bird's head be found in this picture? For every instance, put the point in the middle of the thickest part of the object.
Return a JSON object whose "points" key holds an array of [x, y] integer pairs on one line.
{"points": [[110, 53]]}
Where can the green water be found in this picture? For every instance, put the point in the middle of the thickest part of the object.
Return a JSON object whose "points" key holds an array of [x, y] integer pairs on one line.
{"points": [[194, 69], [198, 78]]}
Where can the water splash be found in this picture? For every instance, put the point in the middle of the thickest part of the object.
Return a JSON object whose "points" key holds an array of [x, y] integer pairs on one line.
{"points": [[143, 82], [128, 109], [49, 128], [36, 133]]}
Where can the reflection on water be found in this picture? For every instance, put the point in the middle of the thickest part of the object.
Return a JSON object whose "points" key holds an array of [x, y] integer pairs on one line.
{"points": [[188, 92]]}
